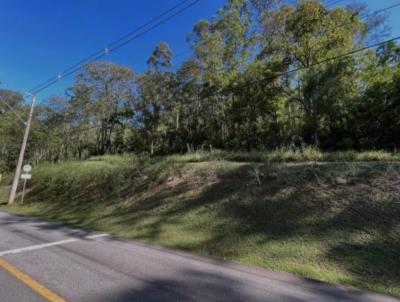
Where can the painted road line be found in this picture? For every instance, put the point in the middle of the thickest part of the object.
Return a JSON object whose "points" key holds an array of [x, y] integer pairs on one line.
{"points": [[44, 245], [31, 283], [96, 236]]}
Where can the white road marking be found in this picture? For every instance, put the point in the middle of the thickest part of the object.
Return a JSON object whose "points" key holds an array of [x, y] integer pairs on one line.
{"points": [[96, 236], [44, 245]]}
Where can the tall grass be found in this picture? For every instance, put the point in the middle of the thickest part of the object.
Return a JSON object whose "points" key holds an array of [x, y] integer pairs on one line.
{"points": [[285, 155]]}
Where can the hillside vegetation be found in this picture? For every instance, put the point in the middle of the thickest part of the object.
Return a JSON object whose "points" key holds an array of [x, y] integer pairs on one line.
{"points": [[259, 75], [332, 221]]}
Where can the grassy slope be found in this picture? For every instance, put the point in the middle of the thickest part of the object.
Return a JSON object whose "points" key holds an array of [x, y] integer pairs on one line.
{"points": [[3, 193], [336, 222]]}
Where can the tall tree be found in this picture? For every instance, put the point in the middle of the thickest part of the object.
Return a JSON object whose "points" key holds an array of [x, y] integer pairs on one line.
{"points": [[102, 97], [155, 94], [306, 35]]}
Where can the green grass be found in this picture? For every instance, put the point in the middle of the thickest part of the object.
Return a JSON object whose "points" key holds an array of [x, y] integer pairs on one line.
{"points": [[331, 221], [4, 188], [286, 155]]}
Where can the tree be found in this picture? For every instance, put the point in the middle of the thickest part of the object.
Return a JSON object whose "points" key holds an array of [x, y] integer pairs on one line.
{"points": [[155, 94], [102, 97], [11, 128], [376, 114], [222, 50], [305, 36], [12, 98]]}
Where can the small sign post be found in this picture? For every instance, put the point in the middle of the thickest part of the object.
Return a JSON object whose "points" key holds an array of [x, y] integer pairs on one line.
{"points": [[25, 176]]}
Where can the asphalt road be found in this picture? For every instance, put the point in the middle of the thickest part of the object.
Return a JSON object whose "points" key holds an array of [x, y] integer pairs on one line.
{"points": [[42, 261]]}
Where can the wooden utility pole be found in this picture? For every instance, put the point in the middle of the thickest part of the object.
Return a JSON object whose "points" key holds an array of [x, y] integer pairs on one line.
{"points": [[17, 175]]}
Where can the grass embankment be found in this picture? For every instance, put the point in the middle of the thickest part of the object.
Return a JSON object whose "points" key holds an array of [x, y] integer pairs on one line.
{"points": [[333, 221], [4, 191]]}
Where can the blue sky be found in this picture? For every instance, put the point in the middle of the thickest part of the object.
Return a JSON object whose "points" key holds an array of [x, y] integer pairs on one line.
{"points": [[41, 38]]}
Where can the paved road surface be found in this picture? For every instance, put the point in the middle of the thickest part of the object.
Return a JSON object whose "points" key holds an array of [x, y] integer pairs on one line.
{"points": [[41, 261]]}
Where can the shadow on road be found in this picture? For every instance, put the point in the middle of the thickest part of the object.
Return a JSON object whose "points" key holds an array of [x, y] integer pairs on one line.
{"points": [[197, 286]]}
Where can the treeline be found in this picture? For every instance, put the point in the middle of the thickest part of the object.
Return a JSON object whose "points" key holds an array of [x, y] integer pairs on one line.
{"points": [[237, 91]]}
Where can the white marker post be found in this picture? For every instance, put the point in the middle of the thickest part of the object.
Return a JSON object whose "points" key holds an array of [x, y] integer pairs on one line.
{"points": [[25, 176]]}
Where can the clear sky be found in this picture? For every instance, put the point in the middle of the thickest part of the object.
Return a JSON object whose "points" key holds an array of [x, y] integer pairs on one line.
{"points": [[41, 38]]}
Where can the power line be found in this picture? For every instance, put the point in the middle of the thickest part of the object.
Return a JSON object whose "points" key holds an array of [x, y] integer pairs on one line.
{"points": [[362, 16], [128, 38], [327, 4], [366, 15], [339, 57], [333, 2], [377, 12], [13, 111], [374, 13], [100, 51], [114, 46], [77, 131], [300, 68], [133, 35]]}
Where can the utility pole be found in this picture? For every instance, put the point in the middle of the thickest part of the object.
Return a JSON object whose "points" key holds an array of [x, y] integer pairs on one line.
{"points": [[21, 154]]}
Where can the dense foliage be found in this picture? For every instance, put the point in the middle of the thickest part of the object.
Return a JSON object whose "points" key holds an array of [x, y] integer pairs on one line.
{"points": [[236, 92]]}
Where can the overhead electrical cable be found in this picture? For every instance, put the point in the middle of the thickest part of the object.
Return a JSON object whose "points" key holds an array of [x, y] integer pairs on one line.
{"points": [[127, 38], [13, 111], [327, 60], [334, 2], [120, 42]]}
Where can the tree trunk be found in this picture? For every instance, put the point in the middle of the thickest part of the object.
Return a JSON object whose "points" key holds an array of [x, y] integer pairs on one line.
{"points": [[177, 121], [151, 142], [315, 124], [151, 146]]}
